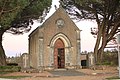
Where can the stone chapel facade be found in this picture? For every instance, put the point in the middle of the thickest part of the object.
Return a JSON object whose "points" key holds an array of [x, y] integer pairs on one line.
{"points": [[56, 43]]}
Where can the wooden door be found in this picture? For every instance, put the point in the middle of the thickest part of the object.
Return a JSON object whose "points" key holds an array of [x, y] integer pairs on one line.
{"points": [[61, 58], [59, 54]]}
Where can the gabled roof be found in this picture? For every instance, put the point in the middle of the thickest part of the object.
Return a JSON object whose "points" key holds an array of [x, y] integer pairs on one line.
{"points": [[59, 10], [34, 31]]}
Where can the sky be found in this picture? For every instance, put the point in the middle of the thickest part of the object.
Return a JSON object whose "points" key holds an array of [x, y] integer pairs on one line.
{"points": [[18, 44]]}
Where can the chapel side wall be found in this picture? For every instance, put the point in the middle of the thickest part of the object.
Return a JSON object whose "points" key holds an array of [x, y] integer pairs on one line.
{"points": [[37, 49], [33, 51], [78, 40], [30, 49], [40, 48]]}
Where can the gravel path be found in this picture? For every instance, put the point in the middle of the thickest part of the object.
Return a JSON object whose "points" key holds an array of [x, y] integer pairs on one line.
{"points": [[82, 74], [67, 73]]}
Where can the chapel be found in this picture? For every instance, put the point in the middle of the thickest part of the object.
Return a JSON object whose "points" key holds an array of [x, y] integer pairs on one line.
{"points": [[56, 43]]}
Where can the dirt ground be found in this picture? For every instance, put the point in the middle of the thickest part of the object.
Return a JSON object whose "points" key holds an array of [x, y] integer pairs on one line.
{"points": [[89, 75]]}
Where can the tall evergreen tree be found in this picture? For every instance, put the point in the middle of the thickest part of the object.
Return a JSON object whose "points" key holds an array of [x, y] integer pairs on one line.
{"points": [[105, 12], [16, 16]]}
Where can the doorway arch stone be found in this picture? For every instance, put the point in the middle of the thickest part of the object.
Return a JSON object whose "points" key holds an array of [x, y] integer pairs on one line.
{"points": [[67, 49]]}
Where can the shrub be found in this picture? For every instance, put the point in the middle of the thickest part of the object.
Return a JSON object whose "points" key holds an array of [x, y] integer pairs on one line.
{"points": [[12, 64], [9, 68]]}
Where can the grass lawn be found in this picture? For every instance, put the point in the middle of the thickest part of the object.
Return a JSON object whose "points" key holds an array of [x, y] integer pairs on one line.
{"points": [[13, 77], [4, 72], [113, 78]]}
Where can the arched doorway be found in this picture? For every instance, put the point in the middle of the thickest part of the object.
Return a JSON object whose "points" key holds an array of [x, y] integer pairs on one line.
{"points": [[59, 54]]}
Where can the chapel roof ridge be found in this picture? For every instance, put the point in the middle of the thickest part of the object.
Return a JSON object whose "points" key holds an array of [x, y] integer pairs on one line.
{"points": [[59, 9]]}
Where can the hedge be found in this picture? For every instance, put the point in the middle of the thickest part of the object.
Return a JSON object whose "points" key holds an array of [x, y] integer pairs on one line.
{"points": [[10, 68]]}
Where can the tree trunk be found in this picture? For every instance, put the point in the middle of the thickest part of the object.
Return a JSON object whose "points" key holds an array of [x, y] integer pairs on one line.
{"points": [[100, 55], [96, 48], [2, 52], [101, 50]]}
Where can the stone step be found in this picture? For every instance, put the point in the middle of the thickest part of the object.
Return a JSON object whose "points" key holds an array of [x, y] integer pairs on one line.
{"points": [[61, 69]]}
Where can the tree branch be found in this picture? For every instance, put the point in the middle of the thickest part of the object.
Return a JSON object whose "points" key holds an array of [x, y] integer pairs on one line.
{"points": [[2, 8], [113, 31], [11, 9]]}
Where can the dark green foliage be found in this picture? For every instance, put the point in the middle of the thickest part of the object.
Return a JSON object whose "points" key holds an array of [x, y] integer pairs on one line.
{"points": [[113, 78], [9, 68], [9, 9], [2, 73], [110, 58], [35, 10], [13, 77], [89, 9], [16, 17], [12, 64]]}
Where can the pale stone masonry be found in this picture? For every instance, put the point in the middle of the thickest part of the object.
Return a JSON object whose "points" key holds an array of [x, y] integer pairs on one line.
{"points": [[25, 60], [56, 43]]}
